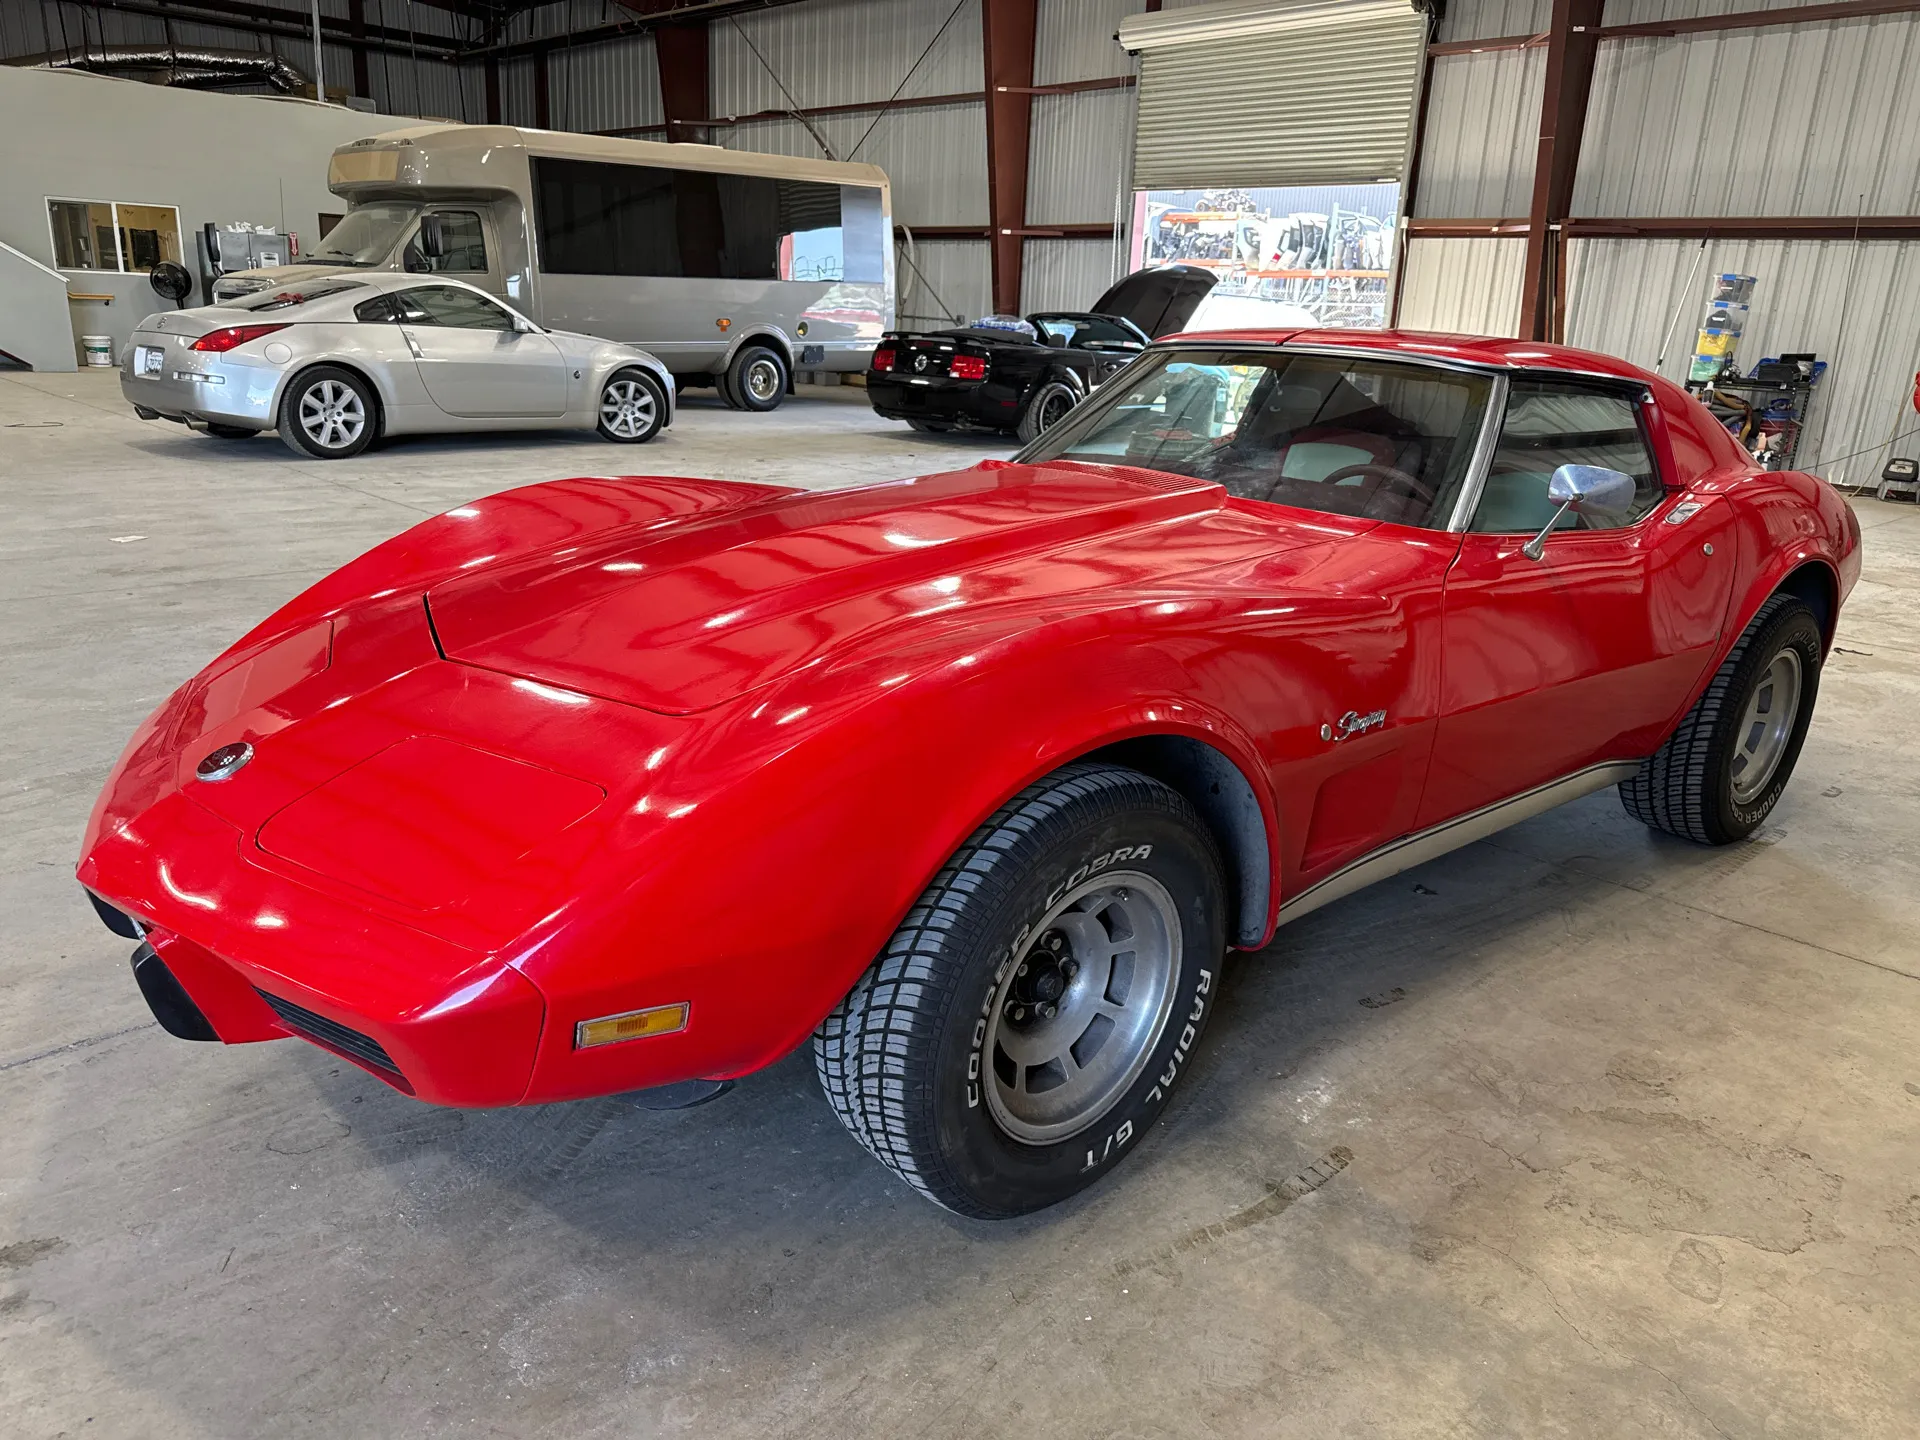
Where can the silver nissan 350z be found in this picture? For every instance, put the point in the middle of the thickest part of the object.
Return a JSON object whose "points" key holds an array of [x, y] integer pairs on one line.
{"points": [[335, 363]]}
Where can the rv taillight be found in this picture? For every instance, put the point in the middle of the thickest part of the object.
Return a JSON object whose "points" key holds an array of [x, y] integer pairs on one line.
{"points": [[968, 367], [883, 359], [221, 340]]}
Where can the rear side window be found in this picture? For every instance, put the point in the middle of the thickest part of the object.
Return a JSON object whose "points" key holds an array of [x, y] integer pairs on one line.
{"points": [[595, 218], [450, 306], [376, 311], [1549, 424]]}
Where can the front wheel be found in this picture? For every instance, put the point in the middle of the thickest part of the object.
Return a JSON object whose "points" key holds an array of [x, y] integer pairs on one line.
{"points": [[1723, 769], [1032, 1014], [633, 407]]}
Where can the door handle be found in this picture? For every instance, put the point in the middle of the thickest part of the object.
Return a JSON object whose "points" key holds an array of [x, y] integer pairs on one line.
{"points": [[412, 344]]}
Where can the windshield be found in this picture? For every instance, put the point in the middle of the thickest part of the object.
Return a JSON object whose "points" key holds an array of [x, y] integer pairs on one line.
{"points": [[365, 236], [1344, 436]]}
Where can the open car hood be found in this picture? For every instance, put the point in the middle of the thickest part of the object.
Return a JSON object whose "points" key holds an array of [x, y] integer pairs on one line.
{"points": [[1160, 299], [680, 617]]}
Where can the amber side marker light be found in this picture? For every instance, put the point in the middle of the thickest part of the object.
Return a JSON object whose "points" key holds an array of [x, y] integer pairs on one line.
{"points": [[633, 1025]]}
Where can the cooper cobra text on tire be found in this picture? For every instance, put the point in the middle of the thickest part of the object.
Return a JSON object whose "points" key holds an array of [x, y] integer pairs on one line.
{"points": [[1721, 772], [1041, 1001], [329, 413]]}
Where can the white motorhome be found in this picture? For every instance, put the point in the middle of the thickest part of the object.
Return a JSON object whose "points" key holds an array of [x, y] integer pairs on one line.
{"points": [[735, 268]]}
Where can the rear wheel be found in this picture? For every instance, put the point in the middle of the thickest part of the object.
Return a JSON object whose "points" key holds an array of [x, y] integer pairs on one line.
{"points": [[1033, 1013], [633, 407], [1723, 769], [329, 413], [1047, 407], [757, 379]]}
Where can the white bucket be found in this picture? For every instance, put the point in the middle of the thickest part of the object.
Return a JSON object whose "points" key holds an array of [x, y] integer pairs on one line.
{"points": [[98, 349]]}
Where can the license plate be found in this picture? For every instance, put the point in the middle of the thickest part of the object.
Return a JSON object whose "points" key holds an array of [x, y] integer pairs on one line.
{"points": [[147, 360]]}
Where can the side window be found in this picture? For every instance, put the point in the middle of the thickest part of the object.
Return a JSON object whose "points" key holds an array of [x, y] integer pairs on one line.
{"points": [[1101, 331], [465, 244], [455, 308], [376, 311], [1548, 425]]}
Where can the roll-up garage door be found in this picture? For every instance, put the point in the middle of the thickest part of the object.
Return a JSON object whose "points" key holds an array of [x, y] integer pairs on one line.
{"points": [[1256, 93]]}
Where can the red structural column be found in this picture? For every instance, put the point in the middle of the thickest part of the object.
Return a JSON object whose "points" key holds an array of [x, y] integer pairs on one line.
{"points": [[1572, 42], [682, 53], [357, 19], [1008, 29]]}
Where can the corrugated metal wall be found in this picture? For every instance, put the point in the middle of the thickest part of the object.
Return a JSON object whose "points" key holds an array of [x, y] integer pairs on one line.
{"points": [[1797, 120], [1074, 40], [614, 85], [1483, 119], [936, 156], [953, 277], [840, 52], [1468, 287], [1856, 306], [1816, 119]]}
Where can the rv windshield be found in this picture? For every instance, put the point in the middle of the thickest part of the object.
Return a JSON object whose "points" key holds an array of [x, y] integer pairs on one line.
{"points": [[366, 236]]}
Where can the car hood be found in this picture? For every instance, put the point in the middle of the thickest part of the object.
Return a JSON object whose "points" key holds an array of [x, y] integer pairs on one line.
{"points": [[681, 616], [1159, 299]]}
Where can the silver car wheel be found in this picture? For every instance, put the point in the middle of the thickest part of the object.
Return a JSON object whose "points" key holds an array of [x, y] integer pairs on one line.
{"points": [[626, 408], [1074, 1022], [762, 380], [1767, 726], [331, 414]]}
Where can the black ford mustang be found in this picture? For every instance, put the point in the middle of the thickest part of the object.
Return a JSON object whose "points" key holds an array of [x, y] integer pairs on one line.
{"points": [[1020, 376]]}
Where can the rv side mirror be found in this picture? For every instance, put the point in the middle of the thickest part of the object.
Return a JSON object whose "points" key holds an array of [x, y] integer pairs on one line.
{"points": [[433, 238]]}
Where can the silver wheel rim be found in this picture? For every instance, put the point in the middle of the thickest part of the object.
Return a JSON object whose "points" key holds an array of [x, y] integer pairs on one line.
{"points": [[1767, 726], [626, 408], [762, 380], [332, 415], [1057, 1062]]}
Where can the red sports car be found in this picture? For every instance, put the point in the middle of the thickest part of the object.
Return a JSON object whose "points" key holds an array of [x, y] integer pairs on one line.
{"points": [[972, 780]]}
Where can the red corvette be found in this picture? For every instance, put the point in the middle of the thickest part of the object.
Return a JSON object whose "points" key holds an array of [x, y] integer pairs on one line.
{"points": [[970, 780]]}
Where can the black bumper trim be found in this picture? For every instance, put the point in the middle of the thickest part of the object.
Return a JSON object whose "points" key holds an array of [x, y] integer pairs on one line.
{"points": [[116, 919], [168, 999]]}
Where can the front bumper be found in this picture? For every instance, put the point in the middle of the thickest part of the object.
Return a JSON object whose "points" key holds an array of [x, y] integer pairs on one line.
{"points": [[194, 387]]}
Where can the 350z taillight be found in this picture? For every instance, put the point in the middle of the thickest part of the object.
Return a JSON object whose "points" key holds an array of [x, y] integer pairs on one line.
{"points": [[883, 359], [219, 341], [968, 367]]}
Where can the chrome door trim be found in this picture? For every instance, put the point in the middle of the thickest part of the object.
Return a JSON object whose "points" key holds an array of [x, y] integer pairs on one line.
{"points": [[1496, 416], [1438, 840]]}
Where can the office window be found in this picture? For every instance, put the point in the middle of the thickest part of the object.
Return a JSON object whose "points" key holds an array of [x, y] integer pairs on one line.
{"points": [[99, 235], [601, 219]]}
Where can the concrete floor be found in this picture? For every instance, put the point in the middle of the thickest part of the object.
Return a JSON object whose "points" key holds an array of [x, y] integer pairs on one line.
{"points": [[1612, 1135]]}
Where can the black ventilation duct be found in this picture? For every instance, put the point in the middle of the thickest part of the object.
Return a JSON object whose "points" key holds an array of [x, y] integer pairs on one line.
{"points": [[194, 67]]}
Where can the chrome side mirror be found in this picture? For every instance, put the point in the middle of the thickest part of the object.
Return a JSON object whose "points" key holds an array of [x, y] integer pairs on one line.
{"points": [[1586, 490]]}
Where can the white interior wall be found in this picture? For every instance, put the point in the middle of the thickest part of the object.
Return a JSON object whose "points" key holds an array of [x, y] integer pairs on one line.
{"points": [[80, 125]]}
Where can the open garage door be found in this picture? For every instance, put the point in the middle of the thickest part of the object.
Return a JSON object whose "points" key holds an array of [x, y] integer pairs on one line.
{"points": [[1251, 93]]}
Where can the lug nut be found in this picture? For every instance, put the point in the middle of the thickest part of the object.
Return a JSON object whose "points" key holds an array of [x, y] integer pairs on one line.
{"points": [[1016, 1012], [1070, 968], [1053, 943], [1047, 1012]]}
